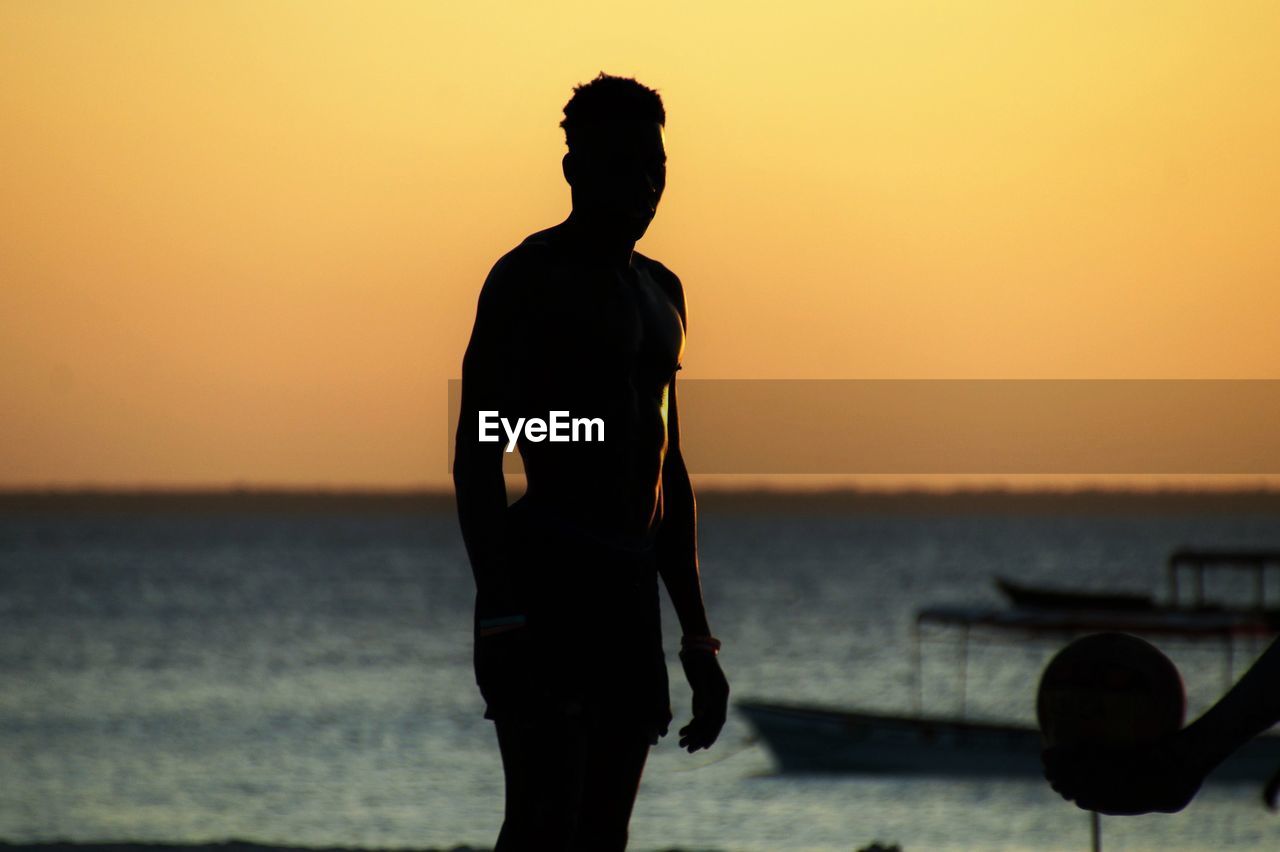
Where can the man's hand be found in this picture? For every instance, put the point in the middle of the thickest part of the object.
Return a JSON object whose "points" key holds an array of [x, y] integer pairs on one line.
{"points": [[710, 699], [1158, 777]]}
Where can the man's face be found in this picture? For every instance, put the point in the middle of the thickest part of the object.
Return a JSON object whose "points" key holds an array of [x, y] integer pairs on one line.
{"points": [[618, 176]]}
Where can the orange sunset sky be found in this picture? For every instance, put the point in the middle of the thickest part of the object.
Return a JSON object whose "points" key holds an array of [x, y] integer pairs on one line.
{"points": [[241, 242]]}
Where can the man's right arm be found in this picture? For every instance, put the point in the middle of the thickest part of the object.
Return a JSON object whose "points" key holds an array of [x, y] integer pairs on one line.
{"points": [[1248, 709], [487, 381]]}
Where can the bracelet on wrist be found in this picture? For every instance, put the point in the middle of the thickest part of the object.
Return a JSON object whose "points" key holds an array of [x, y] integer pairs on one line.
{"points": [[709, 644]]}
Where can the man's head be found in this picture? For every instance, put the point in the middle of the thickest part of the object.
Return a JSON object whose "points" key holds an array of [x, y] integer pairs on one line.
{"points": [[616, 165]]}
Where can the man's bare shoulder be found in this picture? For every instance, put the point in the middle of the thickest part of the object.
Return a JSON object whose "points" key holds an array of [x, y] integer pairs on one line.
{"points": [[509, 281], [668, 280]]}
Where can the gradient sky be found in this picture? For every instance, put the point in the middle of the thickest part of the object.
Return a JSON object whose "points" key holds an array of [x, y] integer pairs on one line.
{"points": [[241, 242]]}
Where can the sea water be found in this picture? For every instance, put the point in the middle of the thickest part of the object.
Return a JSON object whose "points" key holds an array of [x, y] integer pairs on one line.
{"points": [[305, 679]]}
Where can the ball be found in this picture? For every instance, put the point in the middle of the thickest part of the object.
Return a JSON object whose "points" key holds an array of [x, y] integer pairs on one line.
{"points": [[1111, 690]]}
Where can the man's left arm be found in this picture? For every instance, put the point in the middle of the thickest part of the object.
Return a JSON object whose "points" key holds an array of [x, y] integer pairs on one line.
{"points": [[678, 536], [677, 551]]}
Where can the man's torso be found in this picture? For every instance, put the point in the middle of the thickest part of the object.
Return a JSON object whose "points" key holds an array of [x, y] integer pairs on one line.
{"points": [[597, 340]]}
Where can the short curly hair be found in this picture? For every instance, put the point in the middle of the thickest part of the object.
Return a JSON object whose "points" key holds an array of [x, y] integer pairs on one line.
{"points": [[609, 98]]}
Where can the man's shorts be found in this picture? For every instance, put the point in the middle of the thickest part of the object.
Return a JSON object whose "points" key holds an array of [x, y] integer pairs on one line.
{"points": [[592, 643]]}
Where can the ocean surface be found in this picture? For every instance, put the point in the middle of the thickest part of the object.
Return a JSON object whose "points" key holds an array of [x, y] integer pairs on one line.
{"points": [[304, 678]]}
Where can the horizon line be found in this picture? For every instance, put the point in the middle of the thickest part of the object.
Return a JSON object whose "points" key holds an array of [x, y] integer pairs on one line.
{"points": [[839, 500]]}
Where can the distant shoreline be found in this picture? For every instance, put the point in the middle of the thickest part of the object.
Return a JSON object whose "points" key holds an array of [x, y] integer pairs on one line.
{"points": [[711, 500]]}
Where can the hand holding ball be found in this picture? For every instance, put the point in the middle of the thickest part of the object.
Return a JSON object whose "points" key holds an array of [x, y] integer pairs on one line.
{"points": [[1108, 706]]}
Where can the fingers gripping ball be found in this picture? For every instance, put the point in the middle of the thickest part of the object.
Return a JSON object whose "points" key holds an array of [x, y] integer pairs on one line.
{"points": [[1111, 690]]}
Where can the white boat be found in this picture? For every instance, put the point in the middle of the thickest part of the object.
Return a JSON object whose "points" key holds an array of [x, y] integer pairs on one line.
{"points": [[816, 739]]}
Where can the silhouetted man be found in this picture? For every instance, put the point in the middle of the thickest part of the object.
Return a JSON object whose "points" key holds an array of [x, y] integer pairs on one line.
{"points": [[568, 647]]}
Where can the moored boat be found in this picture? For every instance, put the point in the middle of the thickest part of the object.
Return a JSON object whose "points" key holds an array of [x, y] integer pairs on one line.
{"points": [[1038, 597], [817, 739]]}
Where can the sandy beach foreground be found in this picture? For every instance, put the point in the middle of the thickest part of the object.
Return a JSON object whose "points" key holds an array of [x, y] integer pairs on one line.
{"points": [[231, 846], [228, 846]]}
